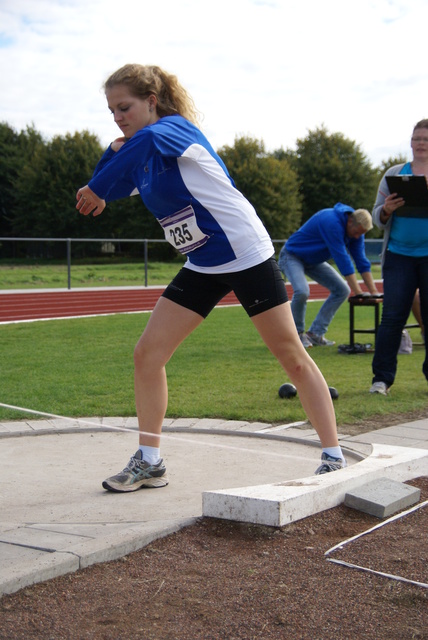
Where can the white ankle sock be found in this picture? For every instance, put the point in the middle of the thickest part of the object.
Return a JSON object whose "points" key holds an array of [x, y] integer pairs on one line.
{"points": [[150, 454], [334, 452]]}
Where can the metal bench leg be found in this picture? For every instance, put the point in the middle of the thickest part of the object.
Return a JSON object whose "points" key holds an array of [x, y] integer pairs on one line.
{"points": [[351, 324]]}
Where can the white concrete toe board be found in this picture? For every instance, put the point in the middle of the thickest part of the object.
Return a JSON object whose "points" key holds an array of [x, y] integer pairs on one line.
{"points": [[281, 503]]}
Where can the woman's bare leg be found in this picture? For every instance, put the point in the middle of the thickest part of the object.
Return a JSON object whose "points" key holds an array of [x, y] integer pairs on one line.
{"points": [[168, 326], [277, 329]]}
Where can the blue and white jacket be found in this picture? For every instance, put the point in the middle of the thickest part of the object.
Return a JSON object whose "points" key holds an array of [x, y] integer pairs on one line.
{"points": [[187, 187]]}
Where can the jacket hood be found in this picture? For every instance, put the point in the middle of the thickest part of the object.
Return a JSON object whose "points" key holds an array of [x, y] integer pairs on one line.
{"points": [[343, 208]]}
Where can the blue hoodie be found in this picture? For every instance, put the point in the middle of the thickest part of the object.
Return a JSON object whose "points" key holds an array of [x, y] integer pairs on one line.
{"points": [[324, 236]]}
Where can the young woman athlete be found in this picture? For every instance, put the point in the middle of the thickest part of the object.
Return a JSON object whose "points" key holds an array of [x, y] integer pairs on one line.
{"points": [[164, 157]]}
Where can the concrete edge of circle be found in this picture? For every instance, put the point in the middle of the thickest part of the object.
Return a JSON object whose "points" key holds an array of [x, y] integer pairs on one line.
{"points": [[280, 504], [273, 505], [349, 450]]}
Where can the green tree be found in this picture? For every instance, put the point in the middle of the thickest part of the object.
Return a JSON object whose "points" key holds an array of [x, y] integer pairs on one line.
{"points": [[331, 169], [50, 180], [390, 162], [39, 180], [129, 218], [15, 150], [270, 184], [47, 184]]}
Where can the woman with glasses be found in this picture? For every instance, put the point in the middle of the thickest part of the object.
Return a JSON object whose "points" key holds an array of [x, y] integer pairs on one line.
{"points": [[404, 262]]}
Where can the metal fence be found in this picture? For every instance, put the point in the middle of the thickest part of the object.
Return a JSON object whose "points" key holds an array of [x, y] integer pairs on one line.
{"points": [[103, 241], [373, 248]]}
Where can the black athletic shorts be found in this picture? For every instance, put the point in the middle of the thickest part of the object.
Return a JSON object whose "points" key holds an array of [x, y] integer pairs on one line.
{"points": [[258, 289]]}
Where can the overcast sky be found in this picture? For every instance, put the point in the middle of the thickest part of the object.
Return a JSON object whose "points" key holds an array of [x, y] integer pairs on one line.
{"points": [[269, 69]]}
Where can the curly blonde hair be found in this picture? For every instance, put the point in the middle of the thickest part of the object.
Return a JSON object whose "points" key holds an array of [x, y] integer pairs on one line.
{"points": [[145, 80]]}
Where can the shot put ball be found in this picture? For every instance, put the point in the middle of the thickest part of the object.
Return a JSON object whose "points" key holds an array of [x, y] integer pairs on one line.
{"points": [[287, 390], [334, 393]]}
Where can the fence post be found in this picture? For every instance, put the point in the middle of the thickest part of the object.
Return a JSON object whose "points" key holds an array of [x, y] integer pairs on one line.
{"points": [[69, 262], [146, 254]]}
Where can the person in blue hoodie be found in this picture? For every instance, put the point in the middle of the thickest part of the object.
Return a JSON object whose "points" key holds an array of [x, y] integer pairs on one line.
{"points": [[163, 156], [336, 233]]}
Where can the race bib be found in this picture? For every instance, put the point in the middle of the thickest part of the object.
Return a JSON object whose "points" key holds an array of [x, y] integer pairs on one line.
{"points": [[182, 231]]}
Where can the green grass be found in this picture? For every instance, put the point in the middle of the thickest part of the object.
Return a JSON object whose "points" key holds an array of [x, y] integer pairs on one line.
{"points": [[99, 273], [84, 367]]}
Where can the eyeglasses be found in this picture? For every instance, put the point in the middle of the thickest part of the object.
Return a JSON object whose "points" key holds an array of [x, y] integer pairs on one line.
{"points": [[417, 139]]}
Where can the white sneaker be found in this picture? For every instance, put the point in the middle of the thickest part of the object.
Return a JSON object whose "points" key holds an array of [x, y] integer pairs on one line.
{"points": [[319, 341], [305, 340], [328, 463], [379, 387]]}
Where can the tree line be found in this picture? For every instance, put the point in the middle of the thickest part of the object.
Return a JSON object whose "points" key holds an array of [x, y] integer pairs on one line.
{"points": [[39, 179]]}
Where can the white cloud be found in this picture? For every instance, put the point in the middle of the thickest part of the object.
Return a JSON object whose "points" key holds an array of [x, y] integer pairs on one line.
{"points": [[272, 70]]}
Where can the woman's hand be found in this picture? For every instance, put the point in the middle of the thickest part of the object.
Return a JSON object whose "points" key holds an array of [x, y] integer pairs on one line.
{"points": [[118, 143], [392, 202], [88, 202]]}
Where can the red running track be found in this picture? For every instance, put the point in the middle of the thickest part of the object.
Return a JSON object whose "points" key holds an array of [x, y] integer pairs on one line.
{"points": [[35, 305]]}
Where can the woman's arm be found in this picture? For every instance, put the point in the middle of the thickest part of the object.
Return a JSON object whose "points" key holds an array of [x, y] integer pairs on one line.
{"points": [[386, 202]]}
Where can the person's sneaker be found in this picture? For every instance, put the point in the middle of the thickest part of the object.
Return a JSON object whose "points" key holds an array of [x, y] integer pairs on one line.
{"points": [[379, 387], [305, 340], [138, 474], [328, 463], [319, 341]]}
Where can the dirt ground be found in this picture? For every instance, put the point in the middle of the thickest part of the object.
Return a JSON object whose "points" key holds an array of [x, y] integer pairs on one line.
{"points": [[219, 580]]}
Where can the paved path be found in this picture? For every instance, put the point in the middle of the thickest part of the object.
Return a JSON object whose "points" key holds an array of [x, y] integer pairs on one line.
{"points": [[56, 518]]}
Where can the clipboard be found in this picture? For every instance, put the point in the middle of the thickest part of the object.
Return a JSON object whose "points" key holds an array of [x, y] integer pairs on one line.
{"points": [[413, 189]]}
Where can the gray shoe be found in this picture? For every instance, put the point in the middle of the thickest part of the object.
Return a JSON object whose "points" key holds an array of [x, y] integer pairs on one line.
{"points": [[328, 464], [138, 474], [319, 341], [379, 387], [305, 340]]}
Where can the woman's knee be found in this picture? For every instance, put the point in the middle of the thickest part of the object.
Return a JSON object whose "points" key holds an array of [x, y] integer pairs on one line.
{"points": [[147, 356], [291, 354], [297, 367], [140, 353]]}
